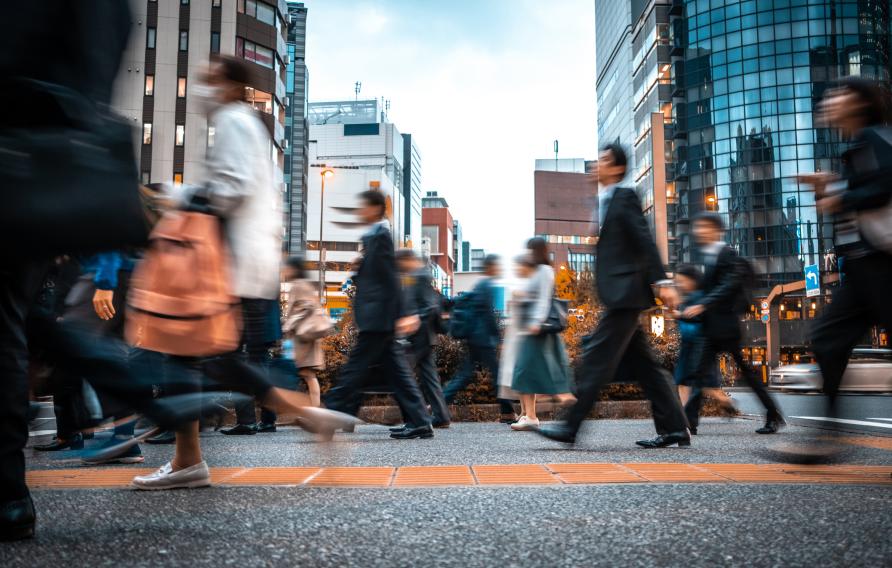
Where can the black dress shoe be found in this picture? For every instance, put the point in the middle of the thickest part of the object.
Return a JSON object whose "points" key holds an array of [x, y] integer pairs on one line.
{"points": [[507, 418], [442, 425], [17, 519], [398, 428], [557, 433], [772, 425], [412, 433], [265, 427], [693, 431], [165, 437], [76, 442], [240, 430], [670, 439]]}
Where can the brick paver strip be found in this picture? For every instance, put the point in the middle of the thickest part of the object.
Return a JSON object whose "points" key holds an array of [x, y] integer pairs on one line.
{"points": [[462, 475], [867, 442]]}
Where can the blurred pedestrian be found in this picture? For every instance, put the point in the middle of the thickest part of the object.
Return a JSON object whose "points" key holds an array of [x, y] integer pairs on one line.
{"points": [[688, 280], [483, 337], [380, 318], [627, 267], [860, 200], [422, 300], [725, 299], [541, 366], [303, 303]]}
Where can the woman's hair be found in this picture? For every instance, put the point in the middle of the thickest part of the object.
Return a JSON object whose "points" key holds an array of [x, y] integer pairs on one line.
{"points": [[296, 263], [539, 250], [690, 271], [876, 108]]}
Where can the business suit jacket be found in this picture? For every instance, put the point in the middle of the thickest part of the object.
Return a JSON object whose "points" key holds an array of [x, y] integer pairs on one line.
{"points": [[485, 329], [724, 295], [377, 303], [628, 262], [422, 300]]}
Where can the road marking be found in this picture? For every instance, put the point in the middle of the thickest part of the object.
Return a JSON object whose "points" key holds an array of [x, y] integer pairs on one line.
{"points": [[845, 421], [506, 475], [883, 419], [41, 432]]}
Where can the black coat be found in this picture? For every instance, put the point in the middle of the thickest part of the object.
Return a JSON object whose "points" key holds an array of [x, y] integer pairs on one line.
{"points": [[378, 301], [485, 328], [724, 295], [628, 262], [420, 298]]}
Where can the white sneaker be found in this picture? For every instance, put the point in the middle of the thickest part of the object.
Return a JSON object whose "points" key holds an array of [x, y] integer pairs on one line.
{"points": [[196, 475], [525, 423]]}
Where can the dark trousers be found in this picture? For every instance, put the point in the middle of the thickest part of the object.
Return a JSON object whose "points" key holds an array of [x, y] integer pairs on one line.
{"points": [[261, 329], [478, 356], [18, 287], [712, 347], [618, 339], [693, 406], [425, 364], [245, 413], [861, 302], [374, 349]]}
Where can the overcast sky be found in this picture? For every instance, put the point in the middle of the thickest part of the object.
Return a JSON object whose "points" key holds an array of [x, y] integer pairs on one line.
{"points": [[484, 86]]}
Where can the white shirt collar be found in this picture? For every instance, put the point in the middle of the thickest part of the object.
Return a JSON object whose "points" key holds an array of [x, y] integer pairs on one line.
{"points": [[606, 191], [714, 249]]}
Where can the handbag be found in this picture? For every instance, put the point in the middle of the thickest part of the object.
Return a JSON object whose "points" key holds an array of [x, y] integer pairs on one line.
{"points": [[315, 324], [556, 322], [69, 184]]}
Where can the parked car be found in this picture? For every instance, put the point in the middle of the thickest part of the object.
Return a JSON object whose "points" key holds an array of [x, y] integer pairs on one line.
{"points": [[869, 370]]}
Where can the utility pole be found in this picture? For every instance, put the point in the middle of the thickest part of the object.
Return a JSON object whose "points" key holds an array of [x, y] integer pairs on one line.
{"points": [[555, 155]]}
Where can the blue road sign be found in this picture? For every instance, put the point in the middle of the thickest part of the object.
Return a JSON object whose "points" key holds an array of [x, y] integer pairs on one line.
{"points": [[812, 281]]}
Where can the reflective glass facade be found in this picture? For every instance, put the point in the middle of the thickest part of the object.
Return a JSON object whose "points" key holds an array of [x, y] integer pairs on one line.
{"points": [[746, 85]]}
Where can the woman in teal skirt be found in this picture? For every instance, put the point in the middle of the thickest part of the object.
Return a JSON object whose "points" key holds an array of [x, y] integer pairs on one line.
{"points": [[541, 366]]}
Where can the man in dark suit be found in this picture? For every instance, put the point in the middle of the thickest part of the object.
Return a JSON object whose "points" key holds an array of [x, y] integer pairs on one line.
{"points": [[422, 300], [483, 340], [380, 317], [627, 267], [725, 300]]}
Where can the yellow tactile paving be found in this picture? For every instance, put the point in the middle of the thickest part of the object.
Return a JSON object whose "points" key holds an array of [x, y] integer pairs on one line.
{"points": [[594, 473], [421, 476], [462, 475], [511, 474], [353, 477], [867, 442]]}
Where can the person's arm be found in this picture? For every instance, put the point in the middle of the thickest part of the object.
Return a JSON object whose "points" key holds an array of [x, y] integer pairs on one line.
{"points": [[107, 266], [870, 189], [639, 232], [544, 292], [427, 303]]}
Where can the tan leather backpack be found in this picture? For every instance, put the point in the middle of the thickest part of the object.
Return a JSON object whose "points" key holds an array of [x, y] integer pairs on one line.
{"points": [[180, 300]]}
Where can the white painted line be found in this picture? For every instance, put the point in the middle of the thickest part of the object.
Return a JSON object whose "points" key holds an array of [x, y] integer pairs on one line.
{"points": [[883, 419], [845, 421], [41, 432]]}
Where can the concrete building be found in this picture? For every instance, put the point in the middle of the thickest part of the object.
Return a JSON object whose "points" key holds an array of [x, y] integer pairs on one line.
{"points": [[465, 265], [566, 213], [296, 130], [412, 191], [477, 258], [437, 232], [457, 251], [361, 150], [170, 47]]}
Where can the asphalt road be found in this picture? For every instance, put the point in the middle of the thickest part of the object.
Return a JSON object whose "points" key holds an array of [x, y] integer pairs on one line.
{"points": [[857, 413]]}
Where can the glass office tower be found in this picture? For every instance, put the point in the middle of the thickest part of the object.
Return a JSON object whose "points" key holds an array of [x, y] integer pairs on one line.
{"points": [[747, 78]]}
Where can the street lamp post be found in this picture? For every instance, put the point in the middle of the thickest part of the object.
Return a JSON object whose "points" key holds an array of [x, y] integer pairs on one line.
{"points": [[325, 173]]}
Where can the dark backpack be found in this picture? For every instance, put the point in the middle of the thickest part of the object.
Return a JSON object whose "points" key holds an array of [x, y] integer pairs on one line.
{"points": [[461, 321]]}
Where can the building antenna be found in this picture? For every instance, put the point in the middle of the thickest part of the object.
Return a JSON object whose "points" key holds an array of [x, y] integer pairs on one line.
{"points": [[555, 155], [357, 87]]}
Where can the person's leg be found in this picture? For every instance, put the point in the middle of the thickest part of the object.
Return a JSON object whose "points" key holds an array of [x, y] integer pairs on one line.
{"points": [[684, 393], [405, 388], [489, 359], [692, 409], [309, 377], [429, 380], [462, 378], [187, 451], [750, 378], [246, 413], [346, 395], [602, 352], [657, 386], [528, 403]]}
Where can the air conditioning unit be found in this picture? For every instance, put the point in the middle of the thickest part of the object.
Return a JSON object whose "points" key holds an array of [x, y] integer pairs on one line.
{"points": [[287, 60], [284, 144], [287, 101]]}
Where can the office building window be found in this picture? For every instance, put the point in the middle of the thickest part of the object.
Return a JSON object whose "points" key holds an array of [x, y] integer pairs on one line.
{"points": [[260, 100], [147, 133], [253, 52], [216, 3], [184, 40], [178, 178], [150, 85], [184, 2], [181, 87], [215, 42], [180, 135], [259, 10], [150, 38]]}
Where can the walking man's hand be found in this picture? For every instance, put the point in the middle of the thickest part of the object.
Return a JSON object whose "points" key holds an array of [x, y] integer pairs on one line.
{"points": [[103, 304]]}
